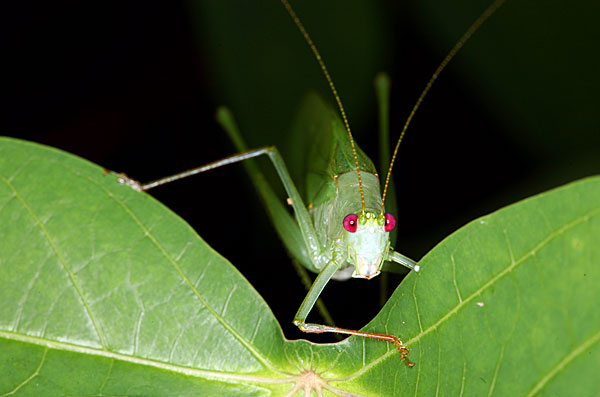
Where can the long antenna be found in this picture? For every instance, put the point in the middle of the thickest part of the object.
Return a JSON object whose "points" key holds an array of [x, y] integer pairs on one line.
{"points": [[459, 44], [317, 55]]}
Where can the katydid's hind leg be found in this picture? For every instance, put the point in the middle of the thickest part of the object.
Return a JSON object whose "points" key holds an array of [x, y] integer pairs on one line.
{"points": [[298, 236], [300, 244], [382, 88], [382, 85], [305, 245]]}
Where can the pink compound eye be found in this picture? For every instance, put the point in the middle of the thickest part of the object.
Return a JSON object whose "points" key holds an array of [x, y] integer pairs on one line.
{"points": [[350, 222], [390, 222]]}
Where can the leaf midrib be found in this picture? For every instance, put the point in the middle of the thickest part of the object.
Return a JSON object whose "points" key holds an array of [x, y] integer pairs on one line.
{"points": [[224, 376], [504, 272]]}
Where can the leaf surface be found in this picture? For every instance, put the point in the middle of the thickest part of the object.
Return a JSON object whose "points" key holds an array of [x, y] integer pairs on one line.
{"points": [[99, 273], [105, 291]]}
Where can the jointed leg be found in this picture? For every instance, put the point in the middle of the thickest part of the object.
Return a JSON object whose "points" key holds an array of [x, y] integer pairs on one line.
{"points": [[310, 299]]}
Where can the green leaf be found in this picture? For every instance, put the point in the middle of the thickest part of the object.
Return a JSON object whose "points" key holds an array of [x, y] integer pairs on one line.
{"points": [[507, 305], [102, 280], [105, 291]]}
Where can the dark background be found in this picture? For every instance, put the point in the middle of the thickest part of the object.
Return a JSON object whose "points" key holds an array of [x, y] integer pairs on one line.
{"points": [[133, 86]]}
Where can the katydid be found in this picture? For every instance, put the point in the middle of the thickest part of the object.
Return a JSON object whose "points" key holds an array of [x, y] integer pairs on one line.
{"points": [[342, 229]]}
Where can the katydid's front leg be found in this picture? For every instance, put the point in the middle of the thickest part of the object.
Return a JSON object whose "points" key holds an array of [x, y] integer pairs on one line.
{"points": [[405, 261], [313, 294]]}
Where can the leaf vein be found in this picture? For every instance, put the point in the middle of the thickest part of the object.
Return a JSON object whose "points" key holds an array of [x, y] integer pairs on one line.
{"points": [[62, 260], [30, 378], [496, 370], [504, 272], [227, 300], [247, 345], [454, 278], [201, 373], [565, 361], [464, 375]]}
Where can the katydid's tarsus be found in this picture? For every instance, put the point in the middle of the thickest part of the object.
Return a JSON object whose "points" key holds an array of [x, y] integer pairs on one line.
{"points": [[344, 230]]}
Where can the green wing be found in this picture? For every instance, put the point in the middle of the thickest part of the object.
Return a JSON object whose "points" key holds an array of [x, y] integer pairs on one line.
{"points": [[318, 150]]}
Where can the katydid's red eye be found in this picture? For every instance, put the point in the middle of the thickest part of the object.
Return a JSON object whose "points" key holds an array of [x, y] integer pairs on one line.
{"points": [[390, 222], [350, 222]]}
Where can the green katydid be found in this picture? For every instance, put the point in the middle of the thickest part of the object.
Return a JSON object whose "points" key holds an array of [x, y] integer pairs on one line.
{"points": [[344, 230]]}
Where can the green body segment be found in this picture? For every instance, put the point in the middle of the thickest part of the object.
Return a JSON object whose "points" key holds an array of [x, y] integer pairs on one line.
{"points": [[328, 215], [326, 177], [319, 151]]}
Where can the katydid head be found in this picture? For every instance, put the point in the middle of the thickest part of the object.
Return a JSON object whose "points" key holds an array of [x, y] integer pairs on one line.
{"points": [[367, 238]]}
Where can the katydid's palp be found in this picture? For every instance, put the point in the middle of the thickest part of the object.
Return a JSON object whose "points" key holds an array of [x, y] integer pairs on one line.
{"points": [[340, 228]]}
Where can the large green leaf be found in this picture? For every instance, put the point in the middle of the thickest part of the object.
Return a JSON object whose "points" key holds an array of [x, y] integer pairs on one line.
{"points": [[99, 278], [107, 292]]}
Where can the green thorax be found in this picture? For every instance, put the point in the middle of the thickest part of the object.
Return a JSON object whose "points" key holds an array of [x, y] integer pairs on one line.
{"points": [[323, 166], [329, 214]]}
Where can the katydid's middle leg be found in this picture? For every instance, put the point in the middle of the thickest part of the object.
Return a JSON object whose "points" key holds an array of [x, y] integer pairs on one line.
{"points": [[280, 217]]}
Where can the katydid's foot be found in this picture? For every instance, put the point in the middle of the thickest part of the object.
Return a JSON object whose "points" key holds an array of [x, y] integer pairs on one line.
{"points": [[310, 328], [127, 181], [403, 352]]}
